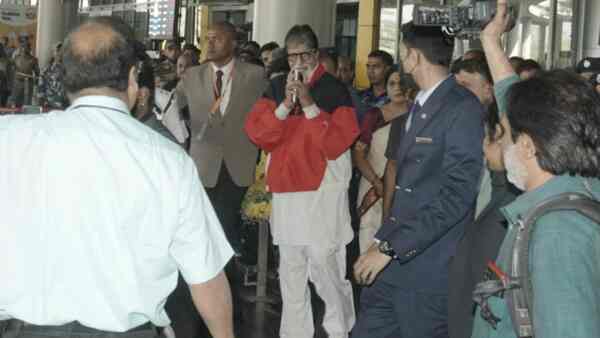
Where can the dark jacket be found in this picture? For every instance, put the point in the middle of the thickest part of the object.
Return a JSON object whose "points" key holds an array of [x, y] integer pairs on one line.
{"points": [[440, 160], [479, 246]]}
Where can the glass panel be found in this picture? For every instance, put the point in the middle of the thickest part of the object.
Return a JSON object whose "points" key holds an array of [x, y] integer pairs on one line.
{"points": [[565, 28], [388, 31], [346, 26], [531, 38]]}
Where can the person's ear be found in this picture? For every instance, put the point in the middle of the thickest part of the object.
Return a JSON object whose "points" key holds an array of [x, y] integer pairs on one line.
{"points": [[527, 146], [498, 132]]}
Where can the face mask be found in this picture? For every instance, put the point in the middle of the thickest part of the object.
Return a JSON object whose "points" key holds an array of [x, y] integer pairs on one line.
{"points": [[516, 171]]}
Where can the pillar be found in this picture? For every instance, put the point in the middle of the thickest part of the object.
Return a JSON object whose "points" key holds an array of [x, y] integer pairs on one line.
{"points": [[50, 29], [369, 12], [591, 29], [203, 26], [274, 18]]}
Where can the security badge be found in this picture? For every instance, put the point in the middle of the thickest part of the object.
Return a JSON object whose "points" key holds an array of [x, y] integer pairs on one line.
{"points": [[424, 140]]}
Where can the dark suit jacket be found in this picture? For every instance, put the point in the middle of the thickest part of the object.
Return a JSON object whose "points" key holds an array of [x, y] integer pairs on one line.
{"points": [[222, 139], [440, 160], [479, 246]]}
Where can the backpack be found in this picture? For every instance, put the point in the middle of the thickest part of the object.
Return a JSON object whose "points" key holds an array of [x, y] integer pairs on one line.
{"points": [[516, 285]]}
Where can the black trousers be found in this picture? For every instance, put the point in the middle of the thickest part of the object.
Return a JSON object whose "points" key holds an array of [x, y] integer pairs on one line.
{"points": [[18, 329], [389, 312], [226, 198]]}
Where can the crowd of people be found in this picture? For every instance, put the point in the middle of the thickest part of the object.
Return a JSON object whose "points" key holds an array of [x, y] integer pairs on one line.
{"points": [[400, 203]]}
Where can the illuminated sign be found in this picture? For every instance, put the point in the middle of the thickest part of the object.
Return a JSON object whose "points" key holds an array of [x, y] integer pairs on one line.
{"points": [[161, 22]]}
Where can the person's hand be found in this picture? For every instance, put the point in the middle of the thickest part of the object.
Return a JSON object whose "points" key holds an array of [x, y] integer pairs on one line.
{"points": [[369, 265], [499, 24], [301, 89], [289, 92]]}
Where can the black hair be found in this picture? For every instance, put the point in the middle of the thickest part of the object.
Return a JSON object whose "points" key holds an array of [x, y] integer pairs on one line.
{"points": [[561, 114], [280, 65], [528, 65], [302, 34], [407, 82], [329, 54], [268, 47], [346, 58], [478, 54], [471, 66], [109, 63], [432, 42], [491, 120], [252, 47], [190, 47], [384, 56]]}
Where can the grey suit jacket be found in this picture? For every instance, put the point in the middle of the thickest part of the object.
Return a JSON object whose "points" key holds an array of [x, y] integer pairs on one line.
{"points": [[222, 138]]}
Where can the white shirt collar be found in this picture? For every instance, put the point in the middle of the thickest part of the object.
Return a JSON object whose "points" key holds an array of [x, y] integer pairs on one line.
{"points": [[101, 101], [423, 96], [225, 69]]}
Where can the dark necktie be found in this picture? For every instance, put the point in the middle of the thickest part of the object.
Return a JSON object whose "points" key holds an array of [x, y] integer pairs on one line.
{"points": [[414, 110], [219, 84]]}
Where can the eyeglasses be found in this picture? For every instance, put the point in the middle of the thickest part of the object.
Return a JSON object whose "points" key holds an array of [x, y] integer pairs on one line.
{"points": [[304, 56]]}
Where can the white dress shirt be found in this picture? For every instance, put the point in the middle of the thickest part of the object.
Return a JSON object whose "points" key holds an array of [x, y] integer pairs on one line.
{"points": [[227, 79], [421, 99], [99, 212]]}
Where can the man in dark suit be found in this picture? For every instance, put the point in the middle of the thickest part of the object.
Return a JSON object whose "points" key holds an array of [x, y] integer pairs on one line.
{"points": [[439, 162]]}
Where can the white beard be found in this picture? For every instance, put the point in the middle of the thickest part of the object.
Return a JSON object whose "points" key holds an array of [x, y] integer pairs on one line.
{"points": [[516, 172]]}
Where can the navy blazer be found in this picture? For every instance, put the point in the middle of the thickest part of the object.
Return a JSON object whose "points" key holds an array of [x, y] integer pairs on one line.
{"points": [[440, 161]]}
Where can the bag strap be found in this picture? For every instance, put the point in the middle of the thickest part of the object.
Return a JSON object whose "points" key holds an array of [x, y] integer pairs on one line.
{"points": [[520, 300]]}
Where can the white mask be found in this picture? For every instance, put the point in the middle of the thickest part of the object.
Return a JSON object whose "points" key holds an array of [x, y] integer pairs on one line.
{"points": [[516, 171]]}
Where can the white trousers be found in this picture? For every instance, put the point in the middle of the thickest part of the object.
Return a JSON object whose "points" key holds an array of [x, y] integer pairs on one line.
{"points": [[326, 268]]}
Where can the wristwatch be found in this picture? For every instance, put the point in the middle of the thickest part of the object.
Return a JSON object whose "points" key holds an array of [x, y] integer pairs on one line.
{"points": [[386, 249]]}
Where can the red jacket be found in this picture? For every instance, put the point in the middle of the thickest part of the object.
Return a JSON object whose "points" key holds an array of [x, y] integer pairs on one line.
{"points": [[300, 147]]}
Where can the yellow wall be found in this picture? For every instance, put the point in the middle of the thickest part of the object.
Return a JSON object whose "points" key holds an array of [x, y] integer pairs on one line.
{"points": [[367, 37]]}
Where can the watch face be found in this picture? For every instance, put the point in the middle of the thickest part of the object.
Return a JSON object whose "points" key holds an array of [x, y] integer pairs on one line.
{"points": [[384, 246]]}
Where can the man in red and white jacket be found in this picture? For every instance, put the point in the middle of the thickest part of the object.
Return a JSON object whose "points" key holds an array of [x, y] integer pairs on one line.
{"points": [[308, 171]]}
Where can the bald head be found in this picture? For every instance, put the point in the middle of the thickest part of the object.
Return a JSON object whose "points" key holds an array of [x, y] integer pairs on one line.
{"points": [[99, 54]]}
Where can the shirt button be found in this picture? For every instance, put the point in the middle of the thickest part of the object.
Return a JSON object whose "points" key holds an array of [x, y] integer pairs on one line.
{"points": [[408, 190], [397, 187]]}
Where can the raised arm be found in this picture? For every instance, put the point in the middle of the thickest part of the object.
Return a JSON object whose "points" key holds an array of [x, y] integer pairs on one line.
{"points": [[491, 40]]}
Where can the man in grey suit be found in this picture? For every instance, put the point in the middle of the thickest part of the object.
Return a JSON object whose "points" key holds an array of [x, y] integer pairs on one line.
{"points": [[219, 94]]}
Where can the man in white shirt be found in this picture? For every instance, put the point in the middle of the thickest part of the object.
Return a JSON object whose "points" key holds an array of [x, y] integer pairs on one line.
{"points": [[99, 212]]}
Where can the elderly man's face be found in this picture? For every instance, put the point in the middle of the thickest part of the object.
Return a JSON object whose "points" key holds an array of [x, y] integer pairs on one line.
{"points": [[221, 45], [302, 58]]}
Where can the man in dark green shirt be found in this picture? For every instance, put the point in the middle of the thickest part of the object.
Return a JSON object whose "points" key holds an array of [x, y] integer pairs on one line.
{"points": [[551, 146]]}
